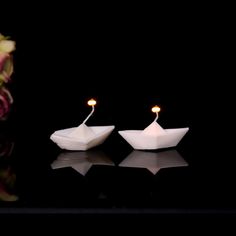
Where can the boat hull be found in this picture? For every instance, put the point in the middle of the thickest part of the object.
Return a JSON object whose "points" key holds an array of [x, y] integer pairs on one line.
{"points": [[61, 138], [140, 141]]}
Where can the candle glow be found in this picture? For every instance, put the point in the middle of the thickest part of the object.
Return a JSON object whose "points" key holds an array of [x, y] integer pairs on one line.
{"points": [[82, 137], [156, 109], [154, 136], [92, 102]]}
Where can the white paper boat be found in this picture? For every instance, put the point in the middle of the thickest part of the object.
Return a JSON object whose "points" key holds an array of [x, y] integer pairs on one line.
{"points": [[138, 139], [63, 139], [81, 161], [153, 161]]}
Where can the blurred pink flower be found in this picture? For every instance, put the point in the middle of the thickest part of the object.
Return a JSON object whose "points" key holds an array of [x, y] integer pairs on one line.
{"points": [[6, 67], [5, 102], [3, 57]]}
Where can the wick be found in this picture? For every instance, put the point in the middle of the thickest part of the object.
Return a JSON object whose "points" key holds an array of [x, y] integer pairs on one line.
{"points": [[156, 117], [89, 115]]}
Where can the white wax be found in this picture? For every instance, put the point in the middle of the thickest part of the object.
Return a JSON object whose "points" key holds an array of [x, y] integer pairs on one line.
{"points": [[153, 129], [82, 132]]}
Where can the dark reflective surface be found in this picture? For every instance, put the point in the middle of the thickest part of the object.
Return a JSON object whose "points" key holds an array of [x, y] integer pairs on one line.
{"points": [[81, 161], [36, 175], [154, 161], [7, 170]]}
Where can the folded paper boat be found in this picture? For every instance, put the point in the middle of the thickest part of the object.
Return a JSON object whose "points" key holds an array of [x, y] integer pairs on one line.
{"points": [[81, 138], [147, 140]]}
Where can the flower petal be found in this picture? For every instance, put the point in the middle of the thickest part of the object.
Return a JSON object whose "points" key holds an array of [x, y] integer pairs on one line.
{"points": [[2, 37], [7, 46], [8, 67], [3, 58]]}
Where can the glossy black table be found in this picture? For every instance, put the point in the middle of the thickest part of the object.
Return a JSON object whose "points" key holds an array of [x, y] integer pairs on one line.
{"points": [[38, 177]]}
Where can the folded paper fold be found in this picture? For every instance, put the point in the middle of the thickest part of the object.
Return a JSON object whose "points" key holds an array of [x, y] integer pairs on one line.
{"points": [[140, 140], [82, 137]]}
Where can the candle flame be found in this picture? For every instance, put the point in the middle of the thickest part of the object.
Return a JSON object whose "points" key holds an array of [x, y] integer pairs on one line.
{"points": [[156, 109], [92, 102]]}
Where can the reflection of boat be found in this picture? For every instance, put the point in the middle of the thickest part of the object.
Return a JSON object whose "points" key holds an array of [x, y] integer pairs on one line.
{"points": [[141, 141], [81, 161], [153, 161], [63, 139]]}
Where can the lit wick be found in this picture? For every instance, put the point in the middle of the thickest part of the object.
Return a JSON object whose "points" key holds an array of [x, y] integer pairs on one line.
{"points": [[156, 109], [92, 103]]}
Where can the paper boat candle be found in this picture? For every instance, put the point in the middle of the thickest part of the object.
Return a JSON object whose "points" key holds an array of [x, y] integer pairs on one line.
{"points": [[154, 136], [154, 161], [82, 137], [81, 161]]}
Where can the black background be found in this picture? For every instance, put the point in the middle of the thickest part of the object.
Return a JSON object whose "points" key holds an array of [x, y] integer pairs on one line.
{"points": [[128, 61]]}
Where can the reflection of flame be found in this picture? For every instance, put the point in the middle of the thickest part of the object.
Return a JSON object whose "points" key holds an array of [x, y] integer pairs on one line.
{"points": [[92, 102]]}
